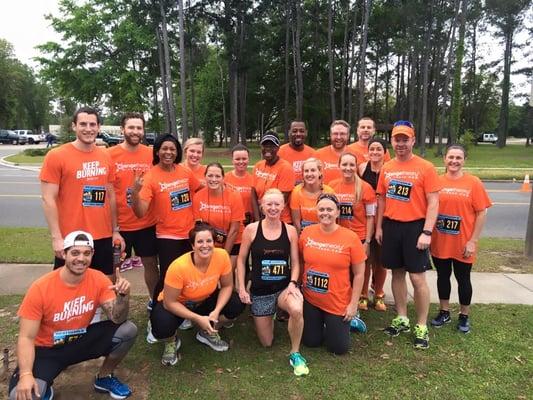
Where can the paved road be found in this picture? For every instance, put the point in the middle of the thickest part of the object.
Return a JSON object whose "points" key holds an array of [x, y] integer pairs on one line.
{"points": [[20, 203]]}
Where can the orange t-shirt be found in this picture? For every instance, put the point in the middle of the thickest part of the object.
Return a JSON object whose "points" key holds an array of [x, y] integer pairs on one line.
{"points": [[353, 216], [198, 172], [64, 311], [330, 159], [404, 185], [243, 186], [328, 258], [459, 200], [126, 164], [361, 152], [171, 194], [195, 285], [296, 158], [300, 200], [83, 201], [280, 176], [219, 212]]}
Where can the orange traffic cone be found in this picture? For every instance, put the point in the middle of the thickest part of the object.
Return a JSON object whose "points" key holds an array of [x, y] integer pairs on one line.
{"points": [[526, 186]]}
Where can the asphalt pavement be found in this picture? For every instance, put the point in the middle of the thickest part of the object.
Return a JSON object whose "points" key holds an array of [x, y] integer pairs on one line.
{"points": [[488, 288]]}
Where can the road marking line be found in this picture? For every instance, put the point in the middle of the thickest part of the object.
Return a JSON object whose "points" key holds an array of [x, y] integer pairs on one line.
{"points": [[20, 195], [21, 183], [510, 204], [503, 191]]}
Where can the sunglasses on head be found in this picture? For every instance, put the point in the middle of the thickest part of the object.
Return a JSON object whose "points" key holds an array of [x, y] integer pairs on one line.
{"points": [[404, 123]]}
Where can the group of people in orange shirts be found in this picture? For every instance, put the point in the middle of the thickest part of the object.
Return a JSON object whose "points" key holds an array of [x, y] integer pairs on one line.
{"points": [[306, 233]]}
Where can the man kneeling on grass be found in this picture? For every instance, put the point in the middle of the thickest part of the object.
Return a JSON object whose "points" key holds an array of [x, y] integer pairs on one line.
{"points": [[55, 329]]}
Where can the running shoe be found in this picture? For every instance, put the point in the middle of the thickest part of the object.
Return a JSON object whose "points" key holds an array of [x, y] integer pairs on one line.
{"points": [[379, 304], [421, 337], [363, 304], [463, 325], [442, 318], [136, 262], [126, 265], [170, 353], [150, 338], [227, 324], [186, 325], [214, 341], [398, 325], [150, 305], [299, 364], [357, 324], [112, 385], [49, 394]]}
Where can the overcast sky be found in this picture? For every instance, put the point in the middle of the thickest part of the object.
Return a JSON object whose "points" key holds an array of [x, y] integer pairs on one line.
{"points": [[22, 24]]}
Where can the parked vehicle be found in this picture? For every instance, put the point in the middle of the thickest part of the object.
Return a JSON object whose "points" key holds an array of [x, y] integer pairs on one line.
{"points": [[150, 137], [31, 137], [109, 139], [487, 138], [11, 137]]}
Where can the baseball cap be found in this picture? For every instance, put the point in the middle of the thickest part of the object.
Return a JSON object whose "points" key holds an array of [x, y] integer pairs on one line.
{"points": [[72, 239], [403, 128], [270, 137]]}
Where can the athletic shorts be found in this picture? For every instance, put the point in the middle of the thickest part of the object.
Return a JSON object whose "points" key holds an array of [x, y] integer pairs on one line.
{"points": [[264, 306], [51, 361], [399, 246], [102, 257], [142, 241]]}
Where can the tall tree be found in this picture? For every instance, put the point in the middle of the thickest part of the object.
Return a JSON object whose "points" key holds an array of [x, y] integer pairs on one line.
{"points": [[183, 77]]}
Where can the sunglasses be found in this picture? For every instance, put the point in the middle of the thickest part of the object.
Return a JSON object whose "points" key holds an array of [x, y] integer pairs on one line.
{"points": [[404, 123]]}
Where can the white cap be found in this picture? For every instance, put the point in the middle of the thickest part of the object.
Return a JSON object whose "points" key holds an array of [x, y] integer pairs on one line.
{"points": [[70, 240]]}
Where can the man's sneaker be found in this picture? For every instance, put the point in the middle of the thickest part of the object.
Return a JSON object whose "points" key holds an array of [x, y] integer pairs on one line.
{"points": [[186, 325], [136, 262], [49, 394], [126, 265], [421, 337], [398, 324], [463, 325], [357, 325], [112, 385], [363, 304], [150, 305], [150, 338], [214, 341], [442, 318], [170, 353], [299, 364], [379, 304]]}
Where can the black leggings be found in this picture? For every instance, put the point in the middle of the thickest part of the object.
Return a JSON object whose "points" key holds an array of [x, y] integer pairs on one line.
{"points": [[461, 271], [321, 326], [168, 250], [164, 323]]}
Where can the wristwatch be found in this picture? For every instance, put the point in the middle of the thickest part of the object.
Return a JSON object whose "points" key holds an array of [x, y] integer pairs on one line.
{"points": [[426, 232]]}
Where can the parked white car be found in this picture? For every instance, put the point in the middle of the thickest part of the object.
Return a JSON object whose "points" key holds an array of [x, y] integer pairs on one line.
{"points": [[31, 137]]}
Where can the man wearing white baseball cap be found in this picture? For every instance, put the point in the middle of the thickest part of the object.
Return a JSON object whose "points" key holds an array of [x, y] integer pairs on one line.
{"points": [[55, 329]]}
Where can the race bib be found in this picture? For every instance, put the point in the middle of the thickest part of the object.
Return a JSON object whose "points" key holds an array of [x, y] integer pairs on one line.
{"points": [[274, 270], [129, 197], [64, 337], [399, 190], [346, 210], [449, 224], [93, 196], [180, 199], [317, 281], [220, 236]]}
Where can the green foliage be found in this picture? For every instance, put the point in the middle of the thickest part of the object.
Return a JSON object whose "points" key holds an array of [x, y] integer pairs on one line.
{"points": [[467, 139], [40, 152]]}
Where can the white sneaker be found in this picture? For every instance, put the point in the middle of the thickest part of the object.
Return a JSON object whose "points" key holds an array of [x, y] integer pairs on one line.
{"points": [[185, 325], [150, 338]]}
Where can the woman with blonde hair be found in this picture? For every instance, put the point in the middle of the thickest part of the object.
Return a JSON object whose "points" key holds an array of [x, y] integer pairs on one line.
{"points": [[357, 203], [193, 151], [304, 195]]}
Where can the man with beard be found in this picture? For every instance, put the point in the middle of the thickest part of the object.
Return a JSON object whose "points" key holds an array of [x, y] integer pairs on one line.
{"points": [[271, 172], [339, 132], [296, 151], [55, 330], [366, 128], [132, 159], [77, 191]]}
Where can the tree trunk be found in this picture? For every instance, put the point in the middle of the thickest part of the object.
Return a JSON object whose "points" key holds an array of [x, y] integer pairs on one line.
{"points": [[456, 93], [375, 96], [224, 133], [330, 62], [193, 97], [352, 65], [362, 58], [345, 61], [233, 102], [287, 72], [243, 81], [183, 76], [425, 63], [503, 124], [164, 88], [299, 72], [171, 104]]}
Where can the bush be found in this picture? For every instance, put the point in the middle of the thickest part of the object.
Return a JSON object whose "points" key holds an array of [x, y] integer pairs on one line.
{"points": [[467, 139], [36, 152]]}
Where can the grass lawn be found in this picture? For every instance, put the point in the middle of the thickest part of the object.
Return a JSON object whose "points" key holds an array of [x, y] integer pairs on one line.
{"points": [[496, 254], [484, 160], [491, 362]]}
